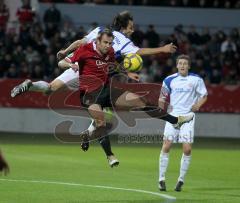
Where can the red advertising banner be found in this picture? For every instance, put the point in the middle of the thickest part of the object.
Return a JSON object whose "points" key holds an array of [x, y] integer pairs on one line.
{"points": [[221, 98]]}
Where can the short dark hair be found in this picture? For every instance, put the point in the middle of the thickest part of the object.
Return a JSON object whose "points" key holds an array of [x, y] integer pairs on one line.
{"points": [[184, 56], [121, 20], [105, 31]]}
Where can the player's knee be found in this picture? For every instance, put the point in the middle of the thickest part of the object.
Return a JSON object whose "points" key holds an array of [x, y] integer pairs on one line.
{"points": [[135, 100], [187, 151], [100, 123], [55, 85]]}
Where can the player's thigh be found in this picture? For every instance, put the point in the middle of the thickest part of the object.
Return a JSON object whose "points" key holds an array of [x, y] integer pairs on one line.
{"points": [[186, 134], [67, 78], [170, 133], [57, 85], [129, 99]]}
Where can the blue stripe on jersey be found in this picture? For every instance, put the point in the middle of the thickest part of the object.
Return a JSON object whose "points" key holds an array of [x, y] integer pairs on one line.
{"points": [[168, 81], [118, 53], [125, 45]]}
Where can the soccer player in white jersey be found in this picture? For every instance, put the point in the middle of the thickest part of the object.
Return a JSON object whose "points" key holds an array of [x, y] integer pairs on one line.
{"points": [[122, 45], [187, 93]]}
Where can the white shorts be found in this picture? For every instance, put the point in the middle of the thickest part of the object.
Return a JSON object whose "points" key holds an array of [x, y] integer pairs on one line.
{"points": [[183, 135], [70, 78]]}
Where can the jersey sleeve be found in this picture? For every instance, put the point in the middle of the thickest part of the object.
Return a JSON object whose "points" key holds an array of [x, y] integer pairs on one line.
{"points": [[129, 48], [201, 88], [165, 91], [91, 36]]}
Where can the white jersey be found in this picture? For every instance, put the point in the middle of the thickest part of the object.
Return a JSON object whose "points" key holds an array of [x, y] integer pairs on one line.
{"points": [[122, 45], [183, 91]]}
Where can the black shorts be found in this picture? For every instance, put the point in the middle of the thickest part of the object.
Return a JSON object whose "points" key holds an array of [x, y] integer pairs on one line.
{"points": [[105, 97]]}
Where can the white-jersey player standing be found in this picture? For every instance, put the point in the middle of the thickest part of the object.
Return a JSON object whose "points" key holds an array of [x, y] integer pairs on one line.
{"points": [[187, 94]]}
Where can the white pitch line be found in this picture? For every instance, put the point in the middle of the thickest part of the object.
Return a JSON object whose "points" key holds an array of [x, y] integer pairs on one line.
{"points": [[168, 197]]}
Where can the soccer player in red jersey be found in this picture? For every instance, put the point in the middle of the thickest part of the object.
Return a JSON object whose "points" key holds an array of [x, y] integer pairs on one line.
{"points": [[93, 61]]}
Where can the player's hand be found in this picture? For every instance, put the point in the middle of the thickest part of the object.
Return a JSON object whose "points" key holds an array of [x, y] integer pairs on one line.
{"points": [[61, 55], [133, 76], [170, 48], [75, 67], [195, 108], [4, 166]]}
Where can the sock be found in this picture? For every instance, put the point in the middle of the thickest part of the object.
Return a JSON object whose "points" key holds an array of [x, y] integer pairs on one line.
{"points": [[185, 161], [156, 112], [106, 145], [163, 164], [40, 86]]}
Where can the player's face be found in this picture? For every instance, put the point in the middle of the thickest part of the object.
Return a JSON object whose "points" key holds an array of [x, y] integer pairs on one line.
{"points": [[104, 44], [183, 67], [129, 29]]}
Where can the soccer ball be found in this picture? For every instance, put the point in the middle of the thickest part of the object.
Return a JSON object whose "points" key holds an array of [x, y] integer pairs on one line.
{"points": [[133, 62]]}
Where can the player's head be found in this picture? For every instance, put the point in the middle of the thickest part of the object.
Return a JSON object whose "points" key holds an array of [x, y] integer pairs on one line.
{"points": [[183, 64], [123, 22], [104, 40]]}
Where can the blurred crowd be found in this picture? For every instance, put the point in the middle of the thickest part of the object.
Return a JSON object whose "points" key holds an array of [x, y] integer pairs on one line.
{"points": [[228, 4], [31, 51]]}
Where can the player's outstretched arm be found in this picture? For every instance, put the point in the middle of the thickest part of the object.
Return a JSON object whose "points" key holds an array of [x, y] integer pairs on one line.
{"points": [[3, 165], [168, 48], [72, 47]]}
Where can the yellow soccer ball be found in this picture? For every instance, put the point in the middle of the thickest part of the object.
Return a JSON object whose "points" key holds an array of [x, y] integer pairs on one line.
{"points": [[133, 62]]}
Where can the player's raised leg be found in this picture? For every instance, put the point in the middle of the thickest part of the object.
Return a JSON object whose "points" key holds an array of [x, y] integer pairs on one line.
{"points": [[130, 100], [68, 78]]}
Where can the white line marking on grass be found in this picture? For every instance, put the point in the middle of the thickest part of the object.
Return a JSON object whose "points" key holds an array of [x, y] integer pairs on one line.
{"points": [[168, 197]]}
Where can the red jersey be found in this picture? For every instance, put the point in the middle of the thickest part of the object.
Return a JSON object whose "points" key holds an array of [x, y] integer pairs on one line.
{"points": [[93, 67], [25, 14]]}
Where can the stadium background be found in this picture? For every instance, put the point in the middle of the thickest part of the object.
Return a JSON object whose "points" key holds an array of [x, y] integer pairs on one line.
{"points": [[209, 33]]}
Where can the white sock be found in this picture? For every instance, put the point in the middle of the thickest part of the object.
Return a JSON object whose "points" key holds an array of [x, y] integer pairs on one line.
{"points": [[185, 162], [91, 127], [163, 164], [40, 86]]}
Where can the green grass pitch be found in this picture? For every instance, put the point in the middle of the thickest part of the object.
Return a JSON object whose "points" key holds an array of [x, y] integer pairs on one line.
{"points": [[44, 170]]}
